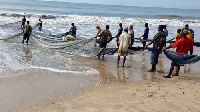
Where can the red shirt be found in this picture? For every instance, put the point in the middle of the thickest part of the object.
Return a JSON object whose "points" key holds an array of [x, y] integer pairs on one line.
{"points": [[183, 45]]}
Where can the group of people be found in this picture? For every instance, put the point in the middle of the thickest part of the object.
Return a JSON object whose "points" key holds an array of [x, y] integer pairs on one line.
{"points": [[184, 43], [27, 29]]}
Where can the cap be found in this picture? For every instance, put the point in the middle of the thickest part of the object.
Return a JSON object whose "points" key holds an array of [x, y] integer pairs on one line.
{"points": [[120, 24], [97, 26], [126, 28], [185, 31]]}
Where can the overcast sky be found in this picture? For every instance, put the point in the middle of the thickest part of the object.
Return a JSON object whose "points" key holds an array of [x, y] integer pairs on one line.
{"points": [[183, 4]]}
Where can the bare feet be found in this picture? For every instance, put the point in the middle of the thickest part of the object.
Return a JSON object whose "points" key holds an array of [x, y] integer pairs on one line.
{"points": [[151, 70], [167, 76]]}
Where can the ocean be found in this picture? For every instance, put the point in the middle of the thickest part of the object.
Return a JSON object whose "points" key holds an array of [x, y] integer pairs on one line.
{"points": [[38, 73]]}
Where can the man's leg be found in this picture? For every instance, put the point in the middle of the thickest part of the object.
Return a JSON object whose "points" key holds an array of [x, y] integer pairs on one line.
{"points": [[118, 60], [24, 37], [170, 71], [27, 38], [177, 70], [124, 60]]}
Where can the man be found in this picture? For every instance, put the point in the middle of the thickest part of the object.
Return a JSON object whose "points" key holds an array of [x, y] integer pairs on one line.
{"points": [[27, 32], [104, 37], [23, 22], [40, 25], [132, 35], [145, 36], [158, 41], [165, 30], [183, 46], [119, 33], [177, 37], [124, 42], [191, 32], [73, 30]]}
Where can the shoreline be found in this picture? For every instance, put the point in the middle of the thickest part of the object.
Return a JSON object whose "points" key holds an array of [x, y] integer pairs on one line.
{"points": [[125, 88], [175, 94]]}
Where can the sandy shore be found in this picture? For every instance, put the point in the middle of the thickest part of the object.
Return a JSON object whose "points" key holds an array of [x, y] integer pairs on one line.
{"points": [[178, 94]]}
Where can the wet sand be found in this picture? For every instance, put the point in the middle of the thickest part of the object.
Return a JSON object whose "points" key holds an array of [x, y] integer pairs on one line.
{"points": [[179, 94], [131, 88]]}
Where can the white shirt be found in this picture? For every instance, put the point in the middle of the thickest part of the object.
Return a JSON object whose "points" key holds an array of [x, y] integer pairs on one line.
{"points": [[124, 41]]}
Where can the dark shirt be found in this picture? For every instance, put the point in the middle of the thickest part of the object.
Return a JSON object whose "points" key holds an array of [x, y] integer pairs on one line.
{"points": [[104, 36], [146, 32], [160, 39], [23, 20], [120, 31], [73, 29], [40, 23]]}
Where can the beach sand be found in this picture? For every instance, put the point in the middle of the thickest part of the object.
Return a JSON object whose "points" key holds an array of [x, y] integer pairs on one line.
{"points": [[178, 94], [131, 89]]}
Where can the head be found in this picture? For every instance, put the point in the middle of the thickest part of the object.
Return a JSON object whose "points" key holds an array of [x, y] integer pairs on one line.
{"points": [[131, 26], [120, 24], [179, 31], [146, 25], [164, 26], [185, 32], [107, 27], [39, 19], [186, 26], [126, 29], [28, 22], [97, 26], [72, 24], [160, 28], [24, 16]]}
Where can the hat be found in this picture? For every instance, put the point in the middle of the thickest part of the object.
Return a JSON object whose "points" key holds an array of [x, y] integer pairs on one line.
{"points": [[185, 31], [120, 24], [97, 26], [126, 28]]}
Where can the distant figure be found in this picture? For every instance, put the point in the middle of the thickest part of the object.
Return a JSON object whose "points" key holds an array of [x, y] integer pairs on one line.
{"points": [[119, 33], [177, 37], [73, 30], [27, 32], [183, 46], [145, 36], [165, 30], [104, 37], [40, 25], [23, 22], [159, 41], [124, 42], [98, 31], [191, 32], [98, 34], [132, 35]]}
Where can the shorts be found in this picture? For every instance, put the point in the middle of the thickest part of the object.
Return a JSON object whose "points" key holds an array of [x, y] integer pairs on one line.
{"points": [[102, 46], [132, 41], [154, 57], [175, 64]]}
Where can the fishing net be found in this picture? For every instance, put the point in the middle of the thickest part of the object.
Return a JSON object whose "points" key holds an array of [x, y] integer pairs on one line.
{"points": [[181, 58]]}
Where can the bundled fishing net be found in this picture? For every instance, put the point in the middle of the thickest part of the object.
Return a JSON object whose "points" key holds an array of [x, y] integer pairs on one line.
{"points": [[181, 58]]}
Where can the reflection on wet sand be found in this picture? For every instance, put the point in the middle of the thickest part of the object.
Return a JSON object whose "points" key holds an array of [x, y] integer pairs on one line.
{"points": [[27, 52]]}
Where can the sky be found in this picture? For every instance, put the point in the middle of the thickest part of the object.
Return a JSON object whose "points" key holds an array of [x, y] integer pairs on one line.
{"points": [[182, 4]]}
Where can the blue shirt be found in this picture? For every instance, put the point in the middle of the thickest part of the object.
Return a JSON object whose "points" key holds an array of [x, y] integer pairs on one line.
{"points": [[166, 32], [146, 32]]}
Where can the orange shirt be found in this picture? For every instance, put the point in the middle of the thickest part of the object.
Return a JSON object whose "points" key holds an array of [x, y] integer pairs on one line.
{"points": [[183, 45]]}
